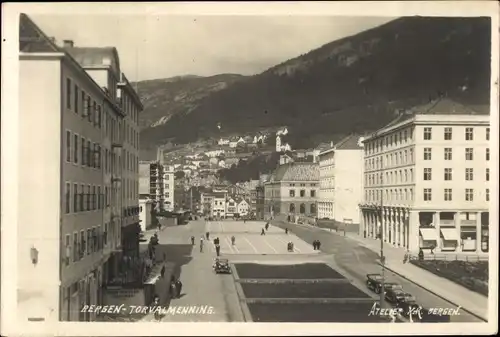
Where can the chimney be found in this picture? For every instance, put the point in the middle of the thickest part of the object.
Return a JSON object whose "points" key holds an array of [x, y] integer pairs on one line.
{"points": [[68, 43]]}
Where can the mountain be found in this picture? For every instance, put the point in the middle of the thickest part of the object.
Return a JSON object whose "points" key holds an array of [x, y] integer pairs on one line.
{"points": [[350, 85], [163, 98]]}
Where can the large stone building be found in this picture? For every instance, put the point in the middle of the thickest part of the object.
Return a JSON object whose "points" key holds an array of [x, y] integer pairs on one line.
{"points": [[341, 180], [157, 182], [81, 116], [427, 179], [292, 190]]}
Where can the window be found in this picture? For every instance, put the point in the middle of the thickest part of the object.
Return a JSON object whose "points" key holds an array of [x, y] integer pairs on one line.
{"points": [[447, 133], [427, 133], [68, 197], [92, 109], [313, 209], [487, 194], [84, 104], [75, 198], [469, 174], [105, 235], [76, 98], [83, 244], [447, 174], [88, 199], [82, 198], [487, 133], [292, 193], [447, 194], [167, 194], [75, 247], [313, 193], [302, 193], [469, 194], [427, 153], [427, 174], [469, 134], [469, 154], [487, 154], [448, 153], [302, 208], [94, 240], [88, 152], [67, 248], [84, 157], [89, 241], [75, 149], [427, 194], [99, 198], [68, 93], [68, 146], [99, 116], [94, 198], [487, 174]]}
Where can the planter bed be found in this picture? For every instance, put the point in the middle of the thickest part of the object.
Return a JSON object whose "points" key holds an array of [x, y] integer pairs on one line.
{"points": [[471, 275], [302, 312], [313, 290], [299, 271]]}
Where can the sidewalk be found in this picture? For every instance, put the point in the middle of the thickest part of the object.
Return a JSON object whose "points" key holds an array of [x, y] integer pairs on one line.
{"points": [[439, 286]]}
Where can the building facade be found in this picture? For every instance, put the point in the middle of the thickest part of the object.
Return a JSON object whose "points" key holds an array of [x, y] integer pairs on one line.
{"points": [[341, 180], [151, 183], [145, 209], [427, 178], [73, 233], [168, 187], [292, 190]]}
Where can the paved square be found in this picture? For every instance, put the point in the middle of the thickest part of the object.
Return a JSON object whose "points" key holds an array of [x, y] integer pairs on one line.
{"points": [[250, 241]]}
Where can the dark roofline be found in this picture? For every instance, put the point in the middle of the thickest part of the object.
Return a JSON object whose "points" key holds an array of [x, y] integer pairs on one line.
{"points": [[74, 63]]}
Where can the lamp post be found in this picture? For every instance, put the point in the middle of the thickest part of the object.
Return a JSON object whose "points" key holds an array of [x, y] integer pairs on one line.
{"points": [[382, 257]]}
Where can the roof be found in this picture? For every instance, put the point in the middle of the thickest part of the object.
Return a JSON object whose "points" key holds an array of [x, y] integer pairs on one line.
{"points": [[350, 142], [32, 39], [89, 57], [297, 172], [440, 106]]}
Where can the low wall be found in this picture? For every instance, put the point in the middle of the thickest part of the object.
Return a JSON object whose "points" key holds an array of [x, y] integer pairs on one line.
{"points": [[338, 226]]}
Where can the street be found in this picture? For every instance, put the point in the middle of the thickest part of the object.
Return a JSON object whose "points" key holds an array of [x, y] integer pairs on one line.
{"points": [[359, 261]]}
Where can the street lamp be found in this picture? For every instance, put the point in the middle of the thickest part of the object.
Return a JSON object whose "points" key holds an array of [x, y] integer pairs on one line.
{"points": [[382, 257]]}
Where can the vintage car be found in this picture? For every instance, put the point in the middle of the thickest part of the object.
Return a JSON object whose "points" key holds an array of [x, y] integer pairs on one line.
{"points": [[374, 282], [221, 266], [396, 294]]}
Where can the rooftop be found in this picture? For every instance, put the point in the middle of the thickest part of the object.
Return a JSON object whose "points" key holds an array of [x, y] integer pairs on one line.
{"points": [[297, 172], [440, 106], [350, 142], [89, 57], [32, 39]]}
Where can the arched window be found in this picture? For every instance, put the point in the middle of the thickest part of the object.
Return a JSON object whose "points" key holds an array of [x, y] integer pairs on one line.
{"points": [[313, 209], [292, 208], [302, 208]]}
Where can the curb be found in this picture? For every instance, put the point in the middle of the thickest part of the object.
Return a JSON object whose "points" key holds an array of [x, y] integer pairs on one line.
{"points": [[434, 293]]}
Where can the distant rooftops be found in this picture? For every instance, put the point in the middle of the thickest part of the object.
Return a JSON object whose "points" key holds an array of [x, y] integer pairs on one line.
{"points": [[297, 172]]}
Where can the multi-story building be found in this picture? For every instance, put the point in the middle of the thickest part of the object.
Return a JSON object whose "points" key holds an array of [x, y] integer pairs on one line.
{"points": [[341, 180], [168, 187], [259, 202], [219, 205], [427, 179], [151, 183], [292, 190], [74, 233], [207, 200], [145, 209]]}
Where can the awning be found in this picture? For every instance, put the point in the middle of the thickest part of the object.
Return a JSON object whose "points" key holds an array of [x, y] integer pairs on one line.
{"points": [[450, 234], [428, 234]]}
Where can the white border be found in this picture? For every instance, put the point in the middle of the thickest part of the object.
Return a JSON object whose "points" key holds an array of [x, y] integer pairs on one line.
{"points": [[9, 172]]}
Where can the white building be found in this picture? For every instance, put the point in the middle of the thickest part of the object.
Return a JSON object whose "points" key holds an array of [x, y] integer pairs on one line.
{"points": [[145, 208], [219, 205], [341, 181], [214, 153], [243, 207], [79, 112], [223, 141], [231, 207], [168, 187], [427, 177]]}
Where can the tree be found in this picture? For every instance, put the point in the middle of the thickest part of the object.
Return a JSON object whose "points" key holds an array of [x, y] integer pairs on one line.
{"points": [[179, 174]]}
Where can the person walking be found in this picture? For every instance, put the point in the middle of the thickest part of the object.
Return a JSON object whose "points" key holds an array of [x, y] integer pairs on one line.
{"points": [[318, 245], [178, 288], [207, 235], [314, 244], [201, 244], [233, 240], [217, 250], [286, 230], [172, 291], [192, 240], [262, 232]]}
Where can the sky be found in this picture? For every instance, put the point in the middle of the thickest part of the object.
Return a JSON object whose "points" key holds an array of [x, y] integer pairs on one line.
{"points": [[152, 47]]}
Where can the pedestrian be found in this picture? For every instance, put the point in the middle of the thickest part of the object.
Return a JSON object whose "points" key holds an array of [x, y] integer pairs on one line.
{"points": [[201, 244], [178, 287], [208, 235], [432, 249], [192, 240], [217, 250], [314, 244], [216, 241], [318, 245], [172, 290], [267, 226], [262, 232], [233, 240], [159, 226], [162, 271], [286, 230]]}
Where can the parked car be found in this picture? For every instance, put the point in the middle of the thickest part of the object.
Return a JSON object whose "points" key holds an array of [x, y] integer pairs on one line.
{"points": [[373, 281], [396, 294]]}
